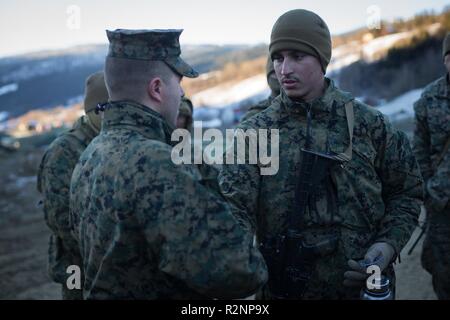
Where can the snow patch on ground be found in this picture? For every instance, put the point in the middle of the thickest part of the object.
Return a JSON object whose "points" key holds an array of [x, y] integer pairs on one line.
{"points": [[8, 88], [376, 45], [226, 94], [401, 107], [3, 116]]}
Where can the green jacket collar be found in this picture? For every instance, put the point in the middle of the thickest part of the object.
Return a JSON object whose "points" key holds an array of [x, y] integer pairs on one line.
{"points": [[83, 130], [318, 106], [137, 117], [443, 87]]}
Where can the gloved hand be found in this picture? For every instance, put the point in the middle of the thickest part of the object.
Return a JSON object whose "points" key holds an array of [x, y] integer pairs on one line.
{"points": [[380, 253]]}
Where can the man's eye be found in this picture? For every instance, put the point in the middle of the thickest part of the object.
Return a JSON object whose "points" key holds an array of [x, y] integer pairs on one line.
{"points": [[299, 56], [277, 59]]}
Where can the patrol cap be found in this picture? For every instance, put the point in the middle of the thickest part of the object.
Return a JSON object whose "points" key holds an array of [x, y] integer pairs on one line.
{"points": [[154, 44]]}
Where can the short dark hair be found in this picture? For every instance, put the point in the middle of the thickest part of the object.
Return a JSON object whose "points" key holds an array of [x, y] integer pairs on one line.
{"points": [[127, 78]]}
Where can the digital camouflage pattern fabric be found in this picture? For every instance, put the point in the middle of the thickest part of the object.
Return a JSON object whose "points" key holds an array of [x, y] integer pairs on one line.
{"points": [[150, 45], [257, 108], [148, 228], [54, 174], [432, 132], [378, 192]]}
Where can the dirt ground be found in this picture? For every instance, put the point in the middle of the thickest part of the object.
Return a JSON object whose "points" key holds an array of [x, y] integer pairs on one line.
{"points": [[24, 236], [23, 232], [413, 282]]}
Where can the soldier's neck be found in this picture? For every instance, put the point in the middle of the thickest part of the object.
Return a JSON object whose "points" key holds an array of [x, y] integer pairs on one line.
{"points": [[317, 92]]}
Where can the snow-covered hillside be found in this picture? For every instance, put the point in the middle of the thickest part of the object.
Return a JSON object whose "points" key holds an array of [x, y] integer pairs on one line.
{"points": [[401, 108], [24, 79], [39, 64], [8, 88], [370, 49], [3, 115], [226, 95]]}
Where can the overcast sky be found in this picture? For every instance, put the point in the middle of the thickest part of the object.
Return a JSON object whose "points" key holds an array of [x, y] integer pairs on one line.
{"points": [[52, 24]]}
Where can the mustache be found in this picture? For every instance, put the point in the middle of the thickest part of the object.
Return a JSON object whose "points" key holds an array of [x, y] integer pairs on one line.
{"points": [[289, 77]]}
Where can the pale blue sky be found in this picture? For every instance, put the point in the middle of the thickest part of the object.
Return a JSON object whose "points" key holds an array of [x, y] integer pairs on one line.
{"points": [[36, 25]]}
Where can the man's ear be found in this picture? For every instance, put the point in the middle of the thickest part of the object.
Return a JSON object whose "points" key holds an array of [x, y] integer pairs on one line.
{"points": [[154, 89]]}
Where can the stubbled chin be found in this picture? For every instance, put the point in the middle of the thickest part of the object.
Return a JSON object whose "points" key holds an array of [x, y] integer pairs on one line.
{"points": [[293, 93]]}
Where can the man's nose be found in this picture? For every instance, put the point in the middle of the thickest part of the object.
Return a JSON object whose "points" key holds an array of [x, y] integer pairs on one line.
{"points": [[286, 67]]}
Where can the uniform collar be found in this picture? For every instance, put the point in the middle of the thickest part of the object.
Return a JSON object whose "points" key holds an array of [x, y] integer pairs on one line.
{"points": [[329, 107], [85, 127], [442, 87], [138, 117], [322, 104]]}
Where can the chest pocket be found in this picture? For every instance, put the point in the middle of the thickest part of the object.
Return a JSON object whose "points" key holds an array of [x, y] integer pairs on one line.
{"points": [[364, 153], [359, 186]]}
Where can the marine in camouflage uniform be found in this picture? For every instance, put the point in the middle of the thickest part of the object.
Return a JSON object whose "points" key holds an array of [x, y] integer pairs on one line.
{"points": [[185, 115], [147, 228], [274, 86], [431, 138], [369, 203], [55, 172]]}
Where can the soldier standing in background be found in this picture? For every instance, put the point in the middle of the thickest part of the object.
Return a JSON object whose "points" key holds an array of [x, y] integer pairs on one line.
{"points": [[274, 86], [348, 190], [185, 115], [148, 228], [431, 145], [54, 174]]}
